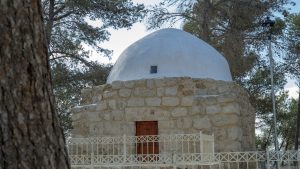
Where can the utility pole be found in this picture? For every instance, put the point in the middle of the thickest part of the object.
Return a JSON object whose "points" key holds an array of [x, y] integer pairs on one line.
{"points": [[269, 24]]}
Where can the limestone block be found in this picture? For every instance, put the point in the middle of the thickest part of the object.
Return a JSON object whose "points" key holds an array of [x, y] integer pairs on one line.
{"points": [[231, 108], [153, 101], [112, 128], [234, 133], [140, 83], [187, 101], [171, 91], [96, 129], [224, 88], [112, 104], [199, 109], [143, 91], [169, 81], [125, 92], [135, 102], [180, 111], [186, 91], [76, 116], [220, 133], [159, 82], [200, 122], [206, 99], [150, 83], [228, 146], [160, 91], [117, 115], [200, 84], [213, 109], [129, 84], [211, 85], [201, 92], [228, 97], [121, 103], [101, 106], [146, 114], [92, 116], [117, 104], [128, 128], [117, 84], [166, 124], [223, 120], [184, 123], [109, 94], [107, 116], [159, 114], [81, 129], [170, 101], [131, 114], [186, 81], [165, 82]]}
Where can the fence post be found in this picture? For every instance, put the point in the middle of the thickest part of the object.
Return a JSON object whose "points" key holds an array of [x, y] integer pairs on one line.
{"points": [[124, 148], [201, 143], [174, 160], [268, 159], [92, 159], [92, 154]]}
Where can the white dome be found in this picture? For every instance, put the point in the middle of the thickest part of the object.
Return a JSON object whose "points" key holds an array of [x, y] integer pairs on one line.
{"points": [[175, 53]]}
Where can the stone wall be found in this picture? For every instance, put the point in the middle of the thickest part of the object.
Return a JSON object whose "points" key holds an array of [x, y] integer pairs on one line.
{"points": [[180, 105]]}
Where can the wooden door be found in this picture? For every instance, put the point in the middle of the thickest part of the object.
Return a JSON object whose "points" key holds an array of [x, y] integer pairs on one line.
{"points": [[147, 128]]}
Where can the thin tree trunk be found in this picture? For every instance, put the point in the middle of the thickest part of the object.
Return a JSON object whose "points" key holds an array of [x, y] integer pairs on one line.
{"points": [[49, 24], [30, 135], [298, 123]]}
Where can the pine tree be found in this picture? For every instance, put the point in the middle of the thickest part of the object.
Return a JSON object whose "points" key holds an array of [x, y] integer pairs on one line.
{"points": [[30, 134]]}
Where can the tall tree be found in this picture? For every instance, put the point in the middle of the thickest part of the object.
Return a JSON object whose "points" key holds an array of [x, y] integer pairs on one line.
{"points": [[30, 135], [74, 29], [231, 26], [292, 61]]}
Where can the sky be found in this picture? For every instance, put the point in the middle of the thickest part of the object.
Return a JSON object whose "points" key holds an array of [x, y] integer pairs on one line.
{"points": [[122, 38]]}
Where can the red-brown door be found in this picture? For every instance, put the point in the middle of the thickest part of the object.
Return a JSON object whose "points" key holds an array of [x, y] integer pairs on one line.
{"points": [[147, 128]]}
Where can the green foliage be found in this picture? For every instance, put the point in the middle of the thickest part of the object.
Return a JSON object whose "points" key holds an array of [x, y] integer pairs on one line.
{"points": [[292, 59], [72, 25], [286, 123], [68, 83], [68, 24], [233, 27]]}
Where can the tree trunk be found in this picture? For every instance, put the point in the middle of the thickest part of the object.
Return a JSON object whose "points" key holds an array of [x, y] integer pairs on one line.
{"points": [[298, 123], [30, 135]]}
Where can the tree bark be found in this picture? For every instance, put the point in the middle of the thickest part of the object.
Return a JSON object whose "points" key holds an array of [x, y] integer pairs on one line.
{"points": [[30, 135]]}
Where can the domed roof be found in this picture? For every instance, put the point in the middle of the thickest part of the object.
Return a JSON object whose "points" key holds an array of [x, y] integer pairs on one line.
{"points": [[170, 53]]}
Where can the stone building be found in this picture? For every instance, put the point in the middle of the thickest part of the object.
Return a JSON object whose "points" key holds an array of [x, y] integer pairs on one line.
{"points": [[169, 82]]}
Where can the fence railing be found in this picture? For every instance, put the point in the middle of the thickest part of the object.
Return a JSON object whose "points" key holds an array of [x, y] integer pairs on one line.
{"points": [[186, 151], [147, 150]]}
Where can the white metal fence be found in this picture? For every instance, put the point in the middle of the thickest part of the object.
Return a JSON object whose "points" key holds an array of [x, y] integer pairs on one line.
{"points": [[155, 150], [166, 151]]}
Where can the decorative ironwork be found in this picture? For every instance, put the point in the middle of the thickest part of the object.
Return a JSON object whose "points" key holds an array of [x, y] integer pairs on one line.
{"points": [[177, 151]]}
